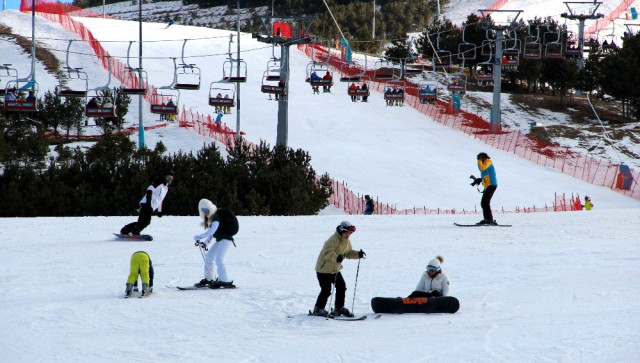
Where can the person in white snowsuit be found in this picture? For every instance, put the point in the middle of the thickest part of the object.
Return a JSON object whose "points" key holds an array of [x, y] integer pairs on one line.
{"points": [[433, 282], [151, 201], [215, 228]]}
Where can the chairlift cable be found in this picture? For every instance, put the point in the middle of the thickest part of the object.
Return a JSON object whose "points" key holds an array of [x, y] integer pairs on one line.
{"points": [[604, 130]]}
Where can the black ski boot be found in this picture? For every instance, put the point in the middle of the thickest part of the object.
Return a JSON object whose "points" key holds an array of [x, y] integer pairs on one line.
{"points": [[203, 283], [319, 312], [342, 312]]}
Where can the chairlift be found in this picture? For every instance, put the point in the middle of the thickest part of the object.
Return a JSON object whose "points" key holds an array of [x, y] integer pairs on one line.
{"points": [[572, 48], [466, 50], [441, 57], [457, 83], [73, 82], [7, 73], [101, 99], [186, 75], [511, 55], [165, 101], [385, 70], [273, 69], [360, 90], [234, 70], [552, 44], [394, 92], [428, 90], [532, 46], [270, 87], [351, 72], [21, 95], [134, 80], [412, 67], [324, 79], [219, 96]]}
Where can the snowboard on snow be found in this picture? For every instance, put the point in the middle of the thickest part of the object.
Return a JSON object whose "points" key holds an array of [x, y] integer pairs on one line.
{"points": [[425, 305], [141, 237], [185, 288], [482, 225]]}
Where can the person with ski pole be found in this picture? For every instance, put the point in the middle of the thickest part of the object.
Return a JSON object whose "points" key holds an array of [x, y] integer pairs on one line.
{"points": [[490, 183], [221, 224], [328, 266]]}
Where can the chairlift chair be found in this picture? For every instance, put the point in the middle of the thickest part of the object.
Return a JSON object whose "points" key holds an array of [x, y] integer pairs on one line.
{"points": [[73, 82], [134, 80], [552, 44], [484, 73], [457, 83], [271, 87], [466, 50], [384, 70], [412, 67], [104, 106], [219, 96], [273, 69], [234, 71], [511, 53], [7, 73], [363, 90], [394, 91], [20, 89], [428, 91], [165, 101], [351, 72], [532, 45], [321, 79]]}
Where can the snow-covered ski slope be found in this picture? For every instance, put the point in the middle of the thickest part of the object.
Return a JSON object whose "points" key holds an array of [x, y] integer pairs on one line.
{"points": [[558, 287], [394, 153]]}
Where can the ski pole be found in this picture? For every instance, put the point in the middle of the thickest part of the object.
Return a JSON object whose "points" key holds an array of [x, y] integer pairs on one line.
{"points": [[355, 286], [202, 249], [333, 287]]}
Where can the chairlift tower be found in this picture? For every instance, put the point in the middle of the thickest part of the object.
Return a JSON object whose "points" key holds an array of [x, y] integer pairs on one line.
{"points": [[581, 11], [498, 21], [298, 36]]}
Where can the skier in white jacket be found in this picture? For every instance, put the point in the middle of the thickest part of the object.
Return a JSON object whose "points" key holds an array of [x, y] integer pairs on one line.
{"points": [[151, 201], [433, 282]]}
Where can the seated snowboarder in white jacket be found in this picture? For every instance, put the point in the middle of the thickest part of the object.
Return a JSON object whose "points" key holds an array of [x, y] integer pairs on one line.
{"points": [[433, 282]]}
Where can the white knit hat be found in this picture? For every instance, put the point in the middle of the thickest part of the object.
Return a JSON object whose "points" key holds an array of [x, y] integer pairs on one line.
{"points": [[206, 204], [435, 262]]}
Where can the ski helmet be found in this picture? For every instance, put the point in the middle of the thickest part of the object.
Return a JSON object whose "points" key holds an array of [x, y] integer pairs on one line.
{"points": [[345, 226], [483, 156]]}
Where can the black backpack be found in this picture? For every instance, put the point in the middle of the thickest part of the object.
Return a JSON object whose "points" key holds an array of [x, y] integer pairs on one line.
{"points": [[229, 221]]}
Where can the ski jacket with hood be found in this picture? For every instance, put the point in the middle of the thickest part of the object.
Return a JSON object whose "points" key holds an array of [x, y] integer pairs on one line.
{"points": [[334, 246]]}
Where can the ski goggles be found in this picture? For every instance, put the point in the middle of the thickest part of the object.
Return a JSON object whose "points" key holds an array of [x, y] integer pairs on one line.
{"points": [[351, 229], [204, 210], [168, 178], [433, 268]]}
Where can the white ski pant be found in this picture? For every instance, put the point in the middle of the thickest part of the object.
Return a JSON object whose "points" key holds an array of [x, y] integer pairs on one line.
{"points": [[217, 252]]}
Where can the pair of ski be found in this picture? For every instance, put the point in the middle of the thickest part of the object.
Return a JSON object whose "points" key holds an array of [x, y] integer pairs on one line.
{"points": [[188, 288], [339, 318], [482, 225]]}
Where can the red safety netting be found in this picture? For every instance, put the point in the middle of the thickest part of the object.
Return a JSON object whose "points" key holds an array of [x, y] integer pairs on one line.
{"points": [[583, 167], [580, 166]]}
